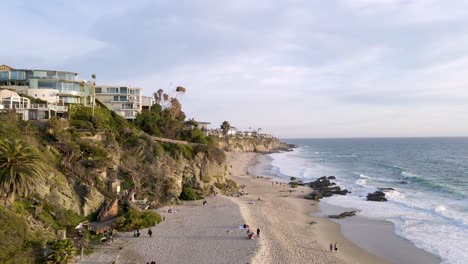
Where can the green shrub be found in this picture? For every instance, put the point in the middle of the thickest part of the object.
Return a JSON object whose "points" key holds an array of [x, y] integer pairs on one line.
{"points": [[81, 124], [294, 184], [63, 251], [193, 135], [189, 194], [134, 219], [187, 151], [293, 178]]}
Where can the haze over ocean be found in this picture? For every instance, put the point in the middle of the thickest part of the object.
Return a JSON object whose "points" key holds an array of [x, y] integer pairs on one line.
{"points": [[430, 175]]}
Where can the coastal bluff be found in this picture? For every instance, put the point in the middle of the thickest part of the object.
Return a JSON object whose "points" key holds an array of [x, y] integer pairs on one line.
{"points": [[253, 144]]}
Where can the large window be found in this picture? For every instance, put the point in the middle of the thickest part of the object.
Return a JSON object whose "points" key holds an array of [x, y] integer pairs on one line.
{"points": [[40, 74], [47, 84], [127, 106], [71, 100], [52, 75], [123, 90], [112, 90], [98, 90], [17, 75], [120, 98], [4, 75]]}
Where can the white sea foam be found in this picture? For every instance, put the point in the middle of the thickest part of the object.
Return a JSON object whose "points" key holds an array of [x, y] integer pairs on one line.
{"points": [[295, 164], [409, 174], [425, 228]]}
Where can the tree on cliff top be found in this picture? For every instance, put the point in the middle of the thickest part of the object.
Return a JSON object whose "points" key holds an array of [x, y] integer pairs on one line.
{"points": [[19, 166], [225, 126]]}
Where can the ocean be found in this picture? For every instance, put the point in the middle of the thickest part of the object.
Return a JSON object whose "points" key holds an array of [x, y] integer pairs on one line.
{"points": [[429, 205]]}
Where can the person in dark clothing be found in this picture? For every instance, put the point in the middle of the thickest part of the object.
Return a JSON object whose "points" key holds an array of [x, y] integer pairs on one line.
{"points": [[258, 232], [150, 232], [336, 248], [331, 247]]}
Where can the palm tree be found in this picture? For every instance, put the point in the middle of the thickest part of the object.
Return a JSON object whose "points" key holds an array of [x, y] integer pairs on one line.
{"points": [[225, 126], [19, 166], [94, 90], [63, 251]]}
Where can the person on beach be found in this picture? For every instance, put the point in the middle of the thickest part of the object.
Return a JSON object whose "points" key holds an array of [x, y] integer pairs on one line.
{"points": [[150, 232], [204, 202], [336, 248], [331, 247], [258, 232]]}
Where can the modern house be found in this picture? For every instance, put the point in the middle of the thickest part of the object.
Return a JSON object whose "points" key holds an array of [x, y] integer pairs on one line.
{"points": [[204, 126], [147, 102], [55, 87], [11, 101], [124, 100]]}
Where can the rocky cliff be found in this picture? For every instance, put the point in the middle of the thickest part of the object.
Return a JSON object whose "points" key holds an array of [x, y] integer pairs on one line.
{"points": [[252, 144]]}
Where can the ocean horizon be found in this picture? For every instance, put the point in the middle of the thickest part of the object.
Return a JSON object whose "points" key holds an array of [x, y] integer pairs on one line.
{"points": [[429, 174]]}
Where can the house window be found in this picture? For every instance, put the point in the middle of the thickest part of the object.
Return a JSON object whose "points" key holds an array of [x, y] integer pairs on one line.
{"points": [[98, 90], [116, 98]]}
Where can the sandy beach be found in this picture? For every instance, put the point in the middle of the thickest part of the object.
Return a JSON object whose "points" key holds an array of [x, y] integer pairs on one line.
{"points": [[289, 233], [193, 234], [211, 233]]}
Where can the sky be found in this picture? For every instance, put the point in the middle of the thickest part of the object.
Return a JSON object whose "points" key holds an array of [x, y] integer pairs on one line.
{"points": [[295, 69]]}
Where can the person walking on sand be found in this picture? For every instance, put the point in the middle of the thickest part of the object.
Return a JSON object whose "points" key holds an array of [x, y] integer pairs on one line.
{"points": [[336, 248], [150, 232], [331, 247], [258, 232]]}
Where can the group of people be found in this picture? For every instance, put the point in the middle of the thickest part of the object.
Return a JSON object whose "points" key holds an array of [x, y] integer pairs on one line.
{"points": [[280, 183], [137, 232], [152, 262], [333, 247], [251, 234]]}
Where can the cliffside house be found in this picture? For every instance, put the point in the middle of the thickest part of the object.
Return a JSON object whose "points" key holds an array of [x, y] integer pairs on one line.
{"points": [[55, 87], [12, 101], [126, 101]]}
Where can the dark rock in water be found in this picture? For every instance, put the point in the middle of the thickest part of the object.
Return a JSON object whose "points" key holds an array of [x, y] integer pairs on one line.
{"points": [[320, 183], [386, 189], [343, 192], [404, 182], [326, 188], [377, 196], [314, 196], [334, 189], [331, 178], [343, 215]]}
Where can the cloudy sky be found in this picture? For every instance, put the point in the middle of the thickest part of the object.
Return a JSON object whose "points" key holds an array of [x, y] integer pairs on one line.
{"points": [[344, 68]]}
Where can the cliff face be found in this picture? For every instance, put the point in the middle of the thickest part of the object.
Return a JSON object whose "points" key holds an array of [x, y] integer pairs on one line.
{"points": [[252, 144]]}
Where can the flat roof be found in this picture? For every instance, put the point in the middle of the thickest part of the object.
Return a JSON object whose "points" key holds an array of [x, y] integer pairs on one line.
{"points": [[5, 67]]}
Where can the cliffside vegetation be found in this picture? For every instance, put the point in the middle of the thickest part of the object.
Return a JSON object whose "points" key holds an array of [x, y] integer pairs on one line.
{"points": [[67, 165], [73, 161]]}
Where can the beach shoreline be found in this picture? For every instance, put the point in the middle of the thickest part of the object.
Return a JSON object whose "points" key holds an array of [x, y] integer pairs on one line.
{"points": [[374, 236], [290, 234]]}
